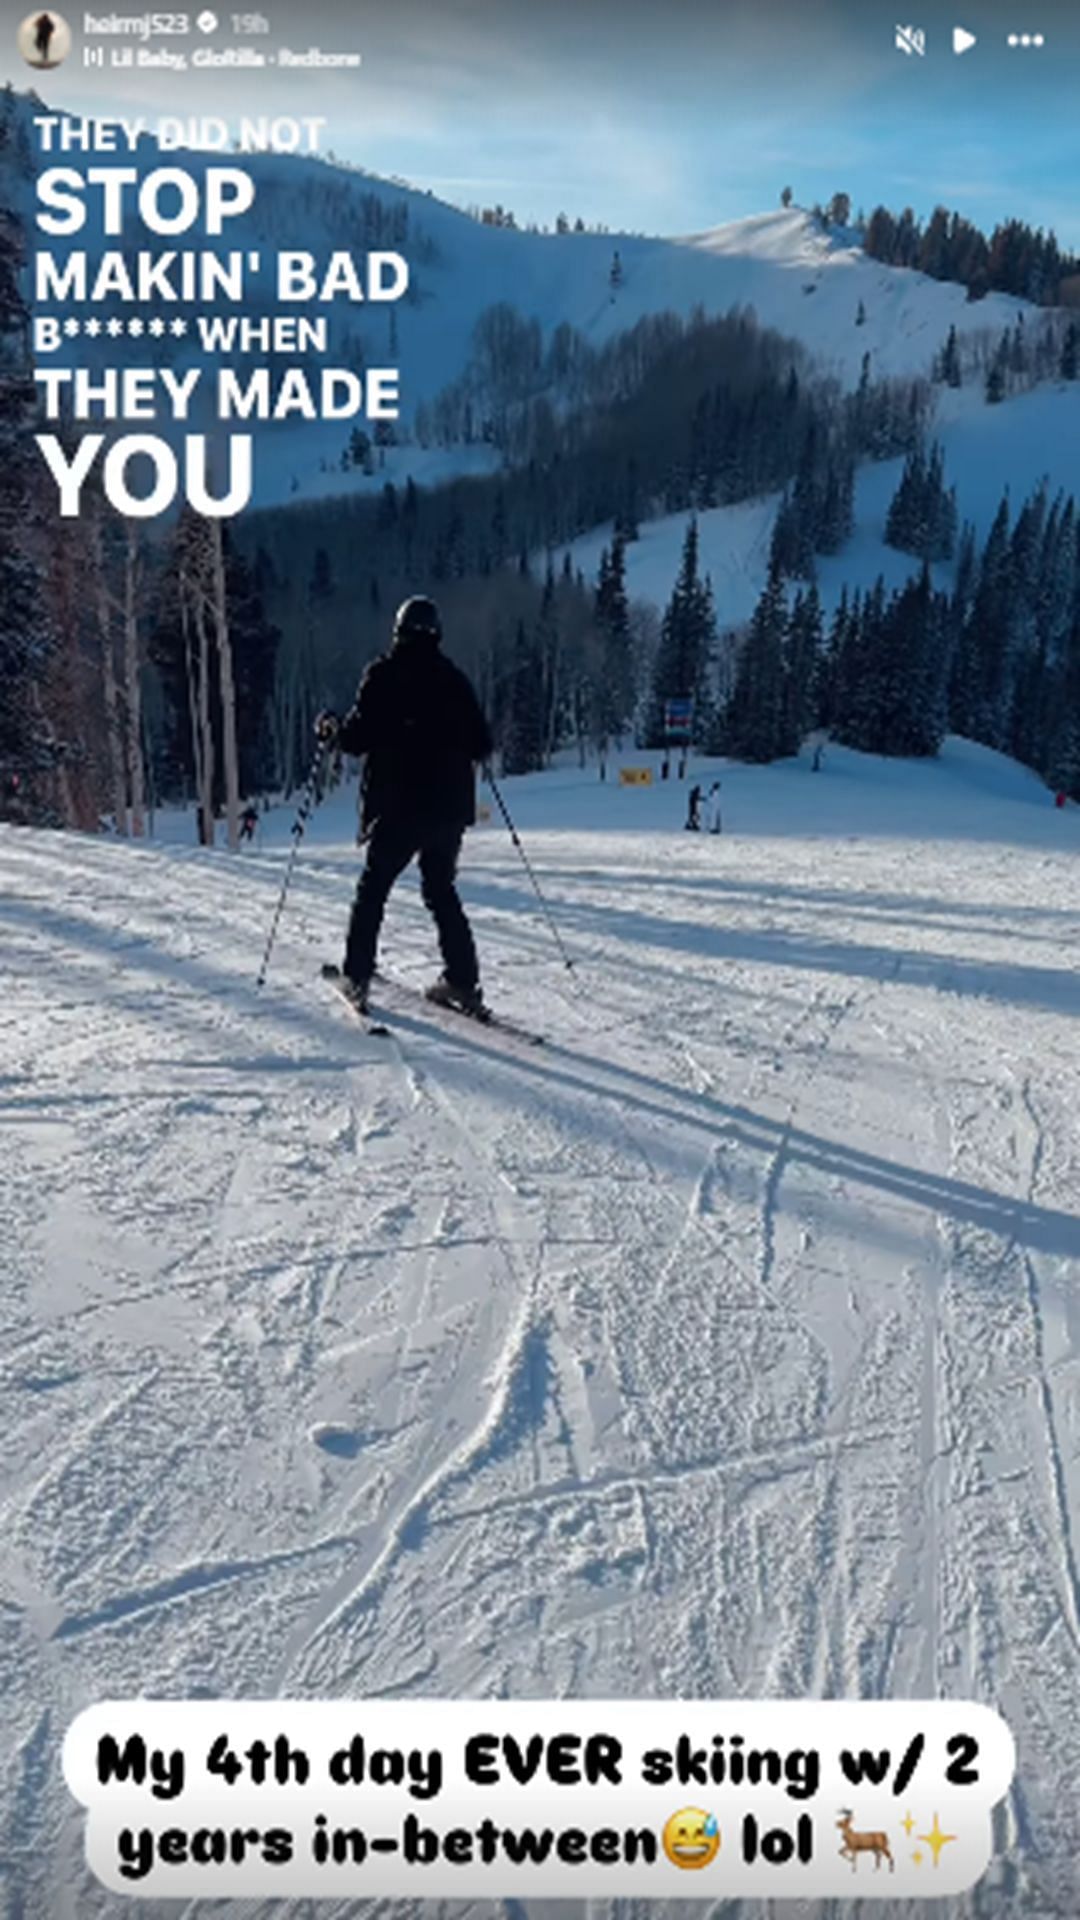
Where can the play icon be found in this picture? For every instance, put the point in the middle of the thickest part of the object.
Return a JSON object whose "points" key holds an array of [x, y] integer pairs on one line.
{"points": [[962, 40]]}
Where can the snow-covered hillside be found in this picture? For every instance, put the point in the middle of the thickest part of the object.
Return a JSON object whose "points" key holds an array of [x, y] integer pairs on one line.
{"points": [[728, 1345], [802, 281], [797, 279], [989, 450]]}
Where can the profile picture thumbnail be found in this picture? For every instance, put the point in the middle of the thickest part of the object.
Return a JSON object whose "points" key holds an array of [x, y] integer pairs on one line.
{"points": [[44, 39]]}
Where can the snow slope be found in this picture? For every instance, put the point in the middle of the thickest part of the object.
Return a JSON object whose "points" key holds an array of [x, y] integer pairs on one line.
{"points": [[805, 283], [1017, 447], [798, 280], [729, 1345]]}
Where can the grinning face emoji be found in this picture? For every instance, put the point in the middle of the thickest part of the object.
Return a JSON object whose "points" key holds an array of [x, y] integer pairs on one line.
{"points": [[691, 1838]]}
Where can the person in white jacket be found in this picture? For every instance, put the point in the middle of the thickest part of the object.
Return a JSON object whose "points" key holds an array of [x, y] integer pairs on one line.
{"points": [[713, 821]]}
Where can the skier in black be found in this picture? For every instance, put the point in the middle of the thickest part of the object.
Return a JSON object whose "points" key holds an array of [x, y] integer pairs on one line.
{"points": [[249, 820], [693, 816], [419, 723], [44, 28]]}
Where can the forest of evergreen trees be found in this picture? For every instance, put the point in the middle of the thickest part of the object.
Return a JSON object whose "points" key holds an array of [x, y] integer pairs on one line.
{"points": [[996, 657], [1016, 259]]}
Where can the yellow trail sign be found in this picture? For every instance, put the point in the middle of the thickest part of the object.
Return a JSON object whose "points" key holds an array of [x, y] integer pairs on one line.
{"points": [[635, 776]]}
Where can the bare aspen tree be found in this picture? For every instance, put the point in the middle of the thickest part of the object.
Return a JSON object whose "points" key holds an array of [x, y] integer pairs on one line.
{"points": [[114, 734], [191, 679], [227, 685], [206, 737], [195, 583], [133, 685], [204, 608]]}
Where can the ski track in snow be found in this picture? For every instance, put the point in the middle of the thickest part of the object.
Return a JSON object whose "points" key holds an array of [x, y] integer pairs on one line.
{"points": [[728, 1345]]}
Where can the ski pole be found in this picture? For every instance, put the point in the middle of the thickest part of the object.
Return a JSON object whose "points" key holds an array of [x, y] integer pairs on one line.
{"points": [[513, 832], [307, 802]]}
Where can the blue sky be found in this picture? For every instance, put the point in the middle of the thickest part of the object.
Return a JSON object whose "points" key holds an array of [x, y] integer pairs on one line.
{"points": [[670, 118]]}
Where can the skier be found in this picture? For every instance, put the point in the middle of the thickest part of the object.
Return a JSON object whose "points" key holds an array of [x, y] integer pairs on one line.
{"points": [[693, 810], [249, 820], [712, 808], [419, 723], [44, 28]]}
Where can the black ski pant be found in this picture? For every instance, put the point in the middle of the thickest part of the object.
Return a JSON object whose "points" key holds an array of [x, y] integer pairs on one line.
{"points": [[391, 845]]}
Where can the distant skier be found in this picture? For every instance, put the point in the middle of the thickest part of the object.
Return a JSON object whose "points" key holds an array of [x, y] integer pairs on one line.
{"points": [[815, 764], [713, 818], [249, 820], [693, 810], [419, 723]]}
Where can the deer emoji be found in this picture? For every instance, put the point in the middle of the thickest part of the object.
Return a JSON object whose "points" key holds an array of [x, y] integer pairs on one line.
{"points": [[856, 1843]]}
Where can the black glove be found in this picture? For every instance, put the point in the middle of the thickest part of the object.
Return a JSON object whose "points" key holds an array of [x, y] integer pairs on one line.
{"points": [[327, 726]]}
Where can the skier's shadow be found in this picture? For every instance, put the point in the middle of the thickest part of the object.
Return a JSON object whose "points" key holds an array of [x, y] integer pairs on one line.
{"points": [[1056, 989], [583, 1079]]}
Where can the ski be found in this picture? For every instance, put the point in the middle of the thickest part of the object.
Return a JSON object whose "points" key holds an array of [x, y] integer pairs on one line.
{"points": [[374, 1023], [370, 1022], [458, 1016]]}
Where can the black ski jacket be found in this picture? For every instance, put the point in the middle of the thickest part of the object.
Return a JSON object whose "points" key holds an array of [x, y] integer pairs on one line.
{"points": [[419, 722]]}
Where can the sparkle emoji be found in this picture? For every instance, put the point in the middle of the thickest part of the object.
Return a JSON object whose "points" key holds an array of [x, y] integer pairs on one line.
{"points": [[935, 1839], [691, 1838]]}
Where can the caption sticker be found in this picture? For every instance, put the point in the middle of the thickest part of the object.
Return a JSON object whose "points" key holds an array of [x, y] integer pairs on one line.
{"points": [[434, 1798]]}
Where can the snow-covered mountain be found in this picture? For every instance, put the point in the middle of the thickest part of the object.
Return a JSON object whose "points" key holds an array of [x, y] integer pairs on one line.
{"points": [[812, 285]]}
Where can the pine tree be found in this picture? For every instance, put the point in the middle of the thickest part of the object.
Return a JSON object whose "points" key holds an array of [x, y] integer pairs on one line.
{"points": [[922, 516], [996, 374], [891, 689], [939, 516], [824, 679], [615, 694], [950, 360], [856, 669], [523, 722], [387, 516], [757, 721], [836, 513], [784, 547], [1063, 760], [903, 523], [687, 643], [550, 652], [802, 654], [806, 505], [985, 702]]}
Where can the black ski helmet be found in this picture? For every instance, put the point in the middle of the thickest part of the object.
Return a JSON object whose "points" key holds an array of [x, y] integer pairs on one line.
{"points": [[418, 619]]}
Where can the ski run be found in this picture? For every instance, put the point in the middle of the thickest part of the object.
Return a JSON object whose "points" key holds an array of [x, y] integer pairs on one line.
{"points": [[729, 1344]]}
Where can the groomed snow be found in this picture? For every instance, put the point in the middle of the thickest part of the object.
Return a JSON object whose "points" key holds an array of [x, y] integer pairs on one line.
{"points": [[728, 1345]]}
